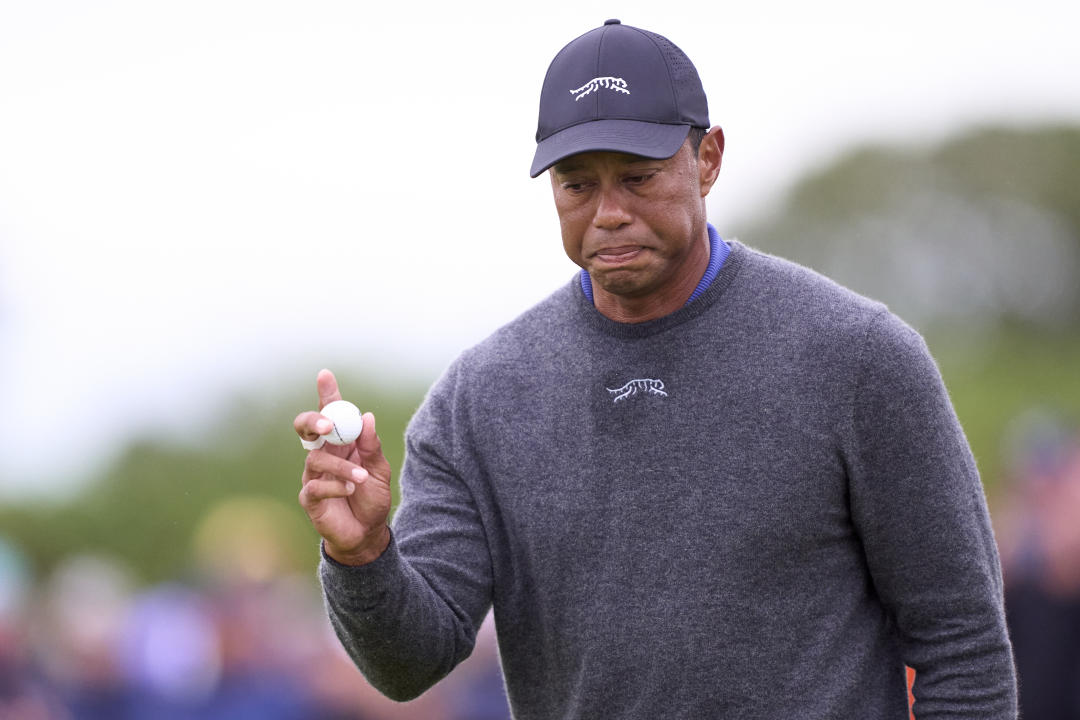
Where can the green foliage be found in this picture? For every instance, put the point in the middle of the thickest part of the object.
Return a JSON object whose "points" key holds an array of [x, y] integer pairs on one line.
{"points": [[983, 229], [1040, 167], [995, 379], [146, 507]]}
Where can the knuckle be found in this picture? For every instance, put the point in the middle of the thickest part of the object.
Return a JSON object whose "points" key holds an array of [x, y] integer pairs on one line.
{"points": [[312, 493]]}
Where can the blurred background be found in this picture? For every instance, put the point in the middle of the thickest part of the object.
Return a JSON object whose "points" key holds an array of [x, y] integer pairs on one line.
{"points": [[204, 203]]}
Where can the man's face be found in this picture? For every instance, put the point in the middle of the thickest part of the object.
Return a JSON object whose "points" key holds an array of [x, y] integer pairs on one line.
{"points": [[638, 226]]}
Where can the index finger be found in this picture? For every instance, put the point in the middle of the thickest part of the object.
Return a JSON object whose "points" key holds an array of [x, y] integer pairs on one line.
{"points": [[326, 384]]}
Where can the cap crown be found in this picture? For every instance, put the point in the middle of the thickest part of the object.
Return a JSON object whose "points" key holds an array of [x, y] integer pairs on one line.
{"points": [[619, 72]]}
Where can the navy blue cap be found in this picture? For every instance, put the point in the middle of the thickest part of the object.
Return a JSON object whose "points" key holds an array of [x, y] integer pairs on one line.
{"points": [[618, 88]]}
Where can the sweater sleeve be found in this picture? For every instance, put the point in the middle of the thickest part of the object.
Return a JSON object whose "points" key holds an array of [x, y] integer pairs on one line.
{"points": [[408, 618], [918, 506]]}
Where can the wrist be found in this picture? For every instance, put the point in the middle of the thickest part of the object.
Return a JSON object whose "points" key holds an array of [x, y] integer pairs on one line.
{"points": [[368, 551]]}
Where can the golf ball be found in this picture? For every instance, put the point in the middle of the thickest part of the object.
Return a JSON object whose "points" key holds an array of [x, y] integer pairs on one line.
{"points": [[347, 422]]}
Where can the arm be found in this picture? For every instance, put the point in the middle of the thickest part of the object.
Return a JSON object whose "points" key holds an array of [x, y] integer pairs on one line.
{"points": [[918, 506], [406, 609]]}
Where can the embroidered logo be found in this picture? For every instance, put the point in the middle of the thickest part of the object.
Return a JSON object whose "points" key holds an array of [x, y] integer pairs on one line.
{"points": [[653, 387], [611, 83]]}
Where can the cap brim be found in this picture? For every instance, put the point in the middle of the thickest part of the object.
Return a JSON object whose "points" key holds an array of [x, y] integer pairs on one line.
{"points": [[651, 140]]}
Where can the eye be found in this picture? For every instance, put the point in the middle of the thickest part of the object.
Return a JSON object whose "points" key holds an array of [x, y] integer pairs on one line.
{"points": [[638, 179], [574, 187]]}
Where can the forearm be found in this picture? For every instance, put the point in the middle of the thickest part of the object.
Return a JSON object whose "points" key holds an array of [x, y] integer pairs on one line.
{"points": [[935, 565], [400, 633], [918, 505], [410, 616]]}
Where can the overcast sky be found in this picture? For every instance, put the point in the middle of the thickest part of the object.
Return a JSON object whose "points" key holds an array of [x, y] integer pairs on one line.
{"points": [[200, 197]]}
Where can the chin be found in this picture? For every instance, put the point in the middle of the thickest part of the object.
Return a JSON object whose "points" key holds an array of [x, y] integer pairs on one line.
{"points": [[622, 283]]}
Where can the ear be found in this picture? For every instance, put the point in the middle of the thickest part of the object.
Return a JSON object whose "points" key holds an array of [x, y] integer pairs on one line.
{"points": [[710, 155]]}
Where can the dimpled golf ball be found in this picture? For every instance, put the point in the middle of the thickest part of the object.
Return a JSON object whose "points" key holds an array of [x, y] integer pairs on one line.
{"points": [[347, 422]]}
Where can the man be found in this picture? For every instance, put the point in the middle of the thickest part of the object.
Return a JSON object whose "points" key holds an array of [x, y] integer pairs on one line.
{"points": [[696, 482]]}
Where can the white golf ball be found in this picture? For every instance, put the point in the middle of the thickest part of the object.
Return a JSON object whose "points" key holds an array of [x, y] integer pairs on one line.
{"points": [[347, 422]]}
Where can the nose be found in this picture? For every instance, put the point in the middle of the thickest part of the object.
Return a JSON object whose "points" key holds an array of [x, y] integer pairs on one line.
{"points": [[611, 210]]}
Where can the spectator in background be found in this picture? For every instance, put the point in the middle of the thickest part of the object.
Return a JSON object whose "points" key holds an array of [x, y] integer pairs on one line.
{"points": [[246, 638], [1040, 537], [78, 629], [23, 695]]}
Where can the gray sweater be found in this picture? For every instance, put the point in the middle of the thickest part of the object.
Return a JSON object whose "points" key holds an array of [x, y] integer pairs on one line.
{"points": [[759, 506]]}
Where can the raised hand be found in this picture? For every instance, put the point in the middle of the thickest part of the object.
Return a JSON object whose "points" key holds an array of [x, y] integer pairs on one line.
{"points": [[345, 489]]}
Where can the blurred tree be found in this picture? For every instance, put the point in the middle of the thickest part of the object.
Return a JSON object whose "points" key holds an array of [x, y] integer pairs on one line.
{"points": [[981, 230], [147, 507]]}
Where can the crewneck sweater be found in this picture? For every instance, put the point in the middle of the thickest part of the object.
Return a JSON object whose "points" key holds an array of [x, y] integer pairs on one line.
{"points": [[759, 506]]}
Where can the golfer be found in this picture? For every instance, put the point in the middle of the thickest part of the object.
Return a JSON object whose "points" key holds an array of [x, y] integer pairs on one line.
{"points": [[697, 481]]}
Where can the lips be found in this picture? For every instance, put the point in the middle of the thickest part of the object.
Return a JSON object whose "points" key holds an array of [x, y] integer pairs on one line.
{"points": [[618, 255]]}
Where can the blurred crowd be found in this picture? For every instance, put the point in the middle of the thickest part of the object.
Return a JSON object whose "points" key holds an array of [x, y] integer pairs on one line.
{"points": [[1037, 524], [86, 642], [245, 635]]}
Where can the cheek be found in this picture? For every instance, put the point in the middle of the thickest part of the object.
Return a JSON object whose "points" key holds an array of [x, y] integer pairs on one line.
{"points": [[571, 239], [573, 222], [677, 211]]}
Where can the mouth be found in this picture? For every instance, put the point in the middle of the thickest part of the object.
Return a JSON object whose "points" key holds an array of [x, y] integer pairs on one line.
{"points": [[616, 256]]}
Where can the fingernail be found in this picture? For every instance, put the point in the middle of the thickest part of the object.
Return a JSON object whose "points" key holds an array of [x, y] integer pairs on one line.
{"points": [[324, 426], [349, 489], [359, 474]]}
